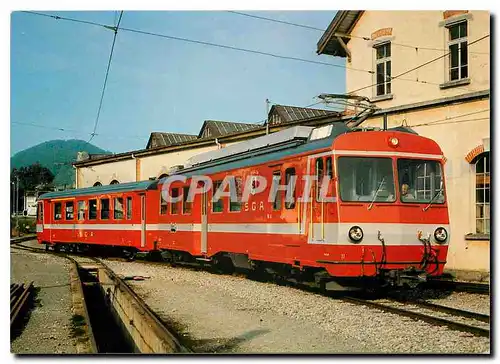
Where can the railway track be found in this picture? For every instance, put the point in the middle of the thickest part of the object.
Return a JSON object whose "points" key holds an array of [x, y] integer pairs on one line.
{"points": [[457, 286], [20, 296], [455, 319]]}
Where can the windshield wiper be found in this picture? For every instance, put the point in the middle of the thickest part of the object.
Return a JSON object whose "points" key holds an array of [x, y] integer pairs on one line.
{"points": [[376, 193], [432, 199]]}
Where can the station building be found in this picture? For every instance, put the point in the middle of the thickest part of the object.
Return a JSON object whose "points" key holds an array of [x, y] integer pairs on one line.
{"points": [[428, 70]]}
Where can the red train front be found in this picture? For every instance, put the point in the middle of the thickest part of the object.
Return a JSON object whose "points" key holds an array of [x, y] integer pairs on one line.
{"points": [[328, 205]]}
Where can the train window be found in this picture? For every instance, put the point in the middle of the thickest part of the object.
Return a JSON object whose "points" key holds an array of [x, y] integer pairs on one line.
{"points": [[118, 208], [174, 206], [217, 205], [129, 208], [319, 176], [235, 201], [186, 205], [277, 203], [366, 179], [329, 169], [70, 210], [39, 212], [81, 210], [92, 209], [104, 208], [420, 181], [289, 175], [57, 211], [163, 203]]}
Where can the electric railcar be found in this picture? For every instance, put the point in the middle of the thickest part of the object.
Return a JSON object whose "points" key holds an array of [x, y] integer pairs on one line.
{"points": [[367, 206]]}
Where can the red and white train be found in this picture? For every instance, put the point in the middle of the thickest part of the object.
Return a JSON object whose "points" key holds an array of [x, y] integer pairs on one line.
{"points": [[376, 209]]}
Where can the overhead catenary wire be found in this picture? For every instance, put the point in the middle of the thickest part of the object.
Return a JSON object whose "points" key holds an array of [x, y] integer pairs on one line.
{"points": [[195, 41], [106, 77]]}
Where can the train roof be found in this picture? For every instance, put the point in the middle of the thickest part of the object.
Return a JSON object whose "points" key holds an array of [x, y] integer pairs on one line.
{"points": [[271, 147], [99, 190]]}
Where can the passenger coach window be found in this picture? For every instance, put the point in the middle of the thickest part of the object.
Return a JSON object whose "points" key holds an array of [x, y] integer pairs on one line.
{"points": [[174, 206], [92, 209], [118, 209], [163, 203], [186, 205], [329, 169], [217, 205], [81, 210], [236, 205], [129, 208], [40, 211], [69, 210], [57, 211], [366, 179], [277, 198], [104, 208], [289, 174]]}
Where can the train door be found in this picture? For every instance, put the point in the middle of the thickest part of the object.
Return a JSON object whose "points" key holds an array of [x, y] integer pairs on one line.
{"points": [[204, 221], [321, 229], [143, 221], [39, 217]]}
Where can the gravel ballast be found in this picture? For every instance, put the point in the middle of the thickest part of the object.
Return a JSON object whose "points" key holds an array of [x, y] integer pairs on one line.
{"points": [[231, 314], [48, 330]]}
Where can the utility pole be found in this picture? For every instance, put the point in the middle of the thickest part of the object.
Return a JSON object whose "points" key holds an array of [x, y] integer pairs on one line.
{"points": [[267, 116]]}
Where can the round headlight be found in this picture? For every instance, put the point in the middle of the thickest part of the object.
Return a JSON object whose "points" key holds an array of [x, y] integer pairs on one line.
{"points": [[394, 141], [355, 234], [440, 235]]}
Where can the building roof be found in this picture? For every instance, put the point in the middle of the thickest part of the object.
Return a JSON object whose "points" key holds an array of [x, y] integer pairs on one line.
{"points": [[342, 24], [216, 128], [159, 139], [100, 190], [282, 114]]}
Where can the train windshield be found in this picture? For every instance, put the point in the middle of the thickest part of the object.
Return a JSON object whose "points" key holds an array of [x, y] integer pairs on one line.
{"points": [[420, 181], [366, 179]]}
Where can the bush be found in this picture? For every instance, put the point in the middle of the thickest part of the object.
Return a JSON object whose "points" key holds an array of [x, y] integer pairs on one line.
{"points": [[25, 225]]}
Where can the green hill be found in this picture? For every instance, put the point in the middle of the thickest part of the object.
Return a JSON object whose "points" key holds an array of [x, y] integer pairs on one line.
{"points": [[57, 156]]}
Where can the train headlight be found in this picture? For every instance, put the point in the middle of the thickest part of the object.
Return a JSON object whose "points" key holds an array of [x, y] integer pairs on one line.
{"points": [[440, 235], [393, 142], [356, 234]]}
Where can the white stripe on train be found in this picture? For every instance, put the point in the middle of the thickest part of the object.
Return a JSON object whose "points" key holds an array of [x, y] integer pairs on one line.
{"points": [[328, 233]]}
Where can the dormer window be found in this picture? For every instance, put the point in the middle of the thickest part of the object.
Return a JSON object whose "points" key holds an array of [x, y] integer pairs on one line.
{"points": [[383, 68], [457, 45]]}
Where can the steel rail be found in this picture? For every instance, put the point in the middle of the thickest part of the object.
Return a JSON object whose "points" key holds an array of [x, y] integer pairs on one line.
{"points": [[449, 310], [478, 331]]}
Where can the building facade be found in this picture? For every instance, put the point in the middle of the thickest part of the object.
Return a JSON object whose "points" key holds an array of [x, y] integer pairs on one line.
{"points": [[430, 70]]}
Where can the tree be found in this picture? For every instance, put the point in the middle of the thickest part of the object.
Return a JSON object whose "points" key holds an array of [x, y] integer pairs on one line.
{"points": [[33, 177]]}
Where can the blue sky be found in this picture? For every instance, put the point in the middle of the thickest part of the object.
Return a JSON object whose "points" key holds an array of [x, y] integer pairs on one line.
{"points": [[156, 84]]}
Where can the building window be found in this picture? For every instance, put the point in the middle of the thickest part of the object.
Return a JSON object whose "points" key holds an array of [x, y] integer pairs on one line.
{"points": [[483, 194], [383, 68], [57, 211], [97, 184], [114, 182], [104, 208], [81, 210], [217, 205], [457, 45], [118, 209], [69, 210], [129, 208], [236, 205], [92, 209], [186, 205]]}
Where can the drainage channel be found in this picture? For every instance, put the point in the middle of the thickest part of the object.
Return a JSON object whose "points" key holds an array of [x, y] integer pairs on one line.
{"points": [[109, 335], [121, 322]]}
